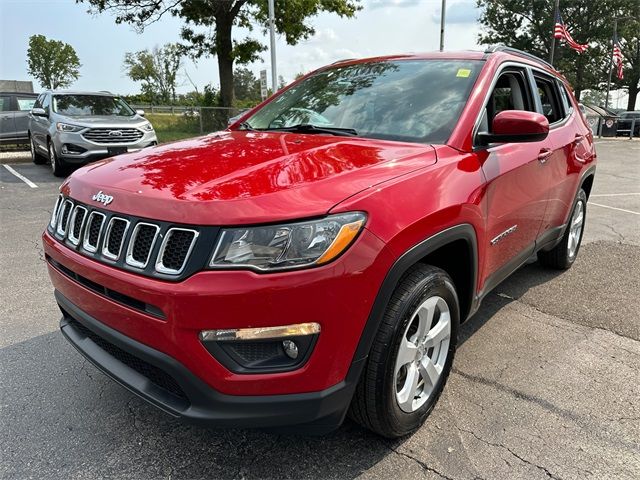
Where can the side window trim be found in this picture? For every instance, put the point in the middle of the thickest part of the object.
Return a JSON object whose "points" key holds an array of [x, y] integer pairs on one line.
{"points": [[525, 70]]}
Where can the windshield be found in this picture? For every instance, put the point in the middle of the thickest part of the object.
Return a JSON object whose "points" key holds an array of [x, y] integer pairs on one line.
{"points": [[90, 105], [405, 100]]}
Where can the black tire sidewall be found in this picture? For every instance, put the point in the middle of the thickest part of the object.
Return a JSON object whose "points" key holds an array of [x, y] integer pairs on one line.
{"points": [[56, 164], [438, 284]]}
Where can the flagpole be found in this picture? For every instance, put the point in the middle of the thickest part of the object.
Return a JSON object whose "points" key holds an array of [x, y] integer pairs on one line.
{"points": [[613, 46], [553, 29]]}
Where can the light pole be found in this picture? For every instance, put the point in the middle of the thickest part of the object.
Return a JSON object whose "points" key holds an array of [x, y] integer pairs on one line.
{"points": [[272, 35], [442, 15], [553, 29]]}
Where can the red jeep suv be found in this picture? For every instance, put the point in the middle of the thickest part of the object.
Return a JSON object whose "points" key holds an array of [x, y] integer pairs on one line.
{"points": [[317, 257]]}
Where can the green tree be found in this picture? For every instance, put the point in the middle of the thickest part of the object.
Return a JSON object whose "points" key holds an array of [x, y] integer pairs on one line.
{"points": [[629, 34], [209, 24], [53, 63], [528, 25], [157, 70], [246, 85]]}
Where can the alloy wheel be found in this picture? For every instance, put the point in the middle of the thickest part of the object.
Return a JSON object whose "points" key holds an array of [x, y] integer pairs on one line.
{"points": [[422, 354], [575, 229]]}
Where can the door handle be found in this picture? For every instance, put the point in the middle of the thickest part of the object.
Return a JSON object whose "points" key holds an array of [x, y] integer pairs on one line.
{"points": [[544, 154]]}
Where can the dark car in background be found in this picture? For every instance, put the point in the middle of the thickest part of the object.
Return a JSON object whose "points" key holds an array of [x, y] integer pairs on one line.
{"points": [[14, 116], [626, 123]]}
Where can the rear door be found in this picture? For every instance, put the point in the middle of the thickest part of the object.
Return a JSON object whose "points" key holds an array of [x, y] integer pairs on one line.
{"points": [[567, 140], [23, 105], [516, 193], [7, 124]]}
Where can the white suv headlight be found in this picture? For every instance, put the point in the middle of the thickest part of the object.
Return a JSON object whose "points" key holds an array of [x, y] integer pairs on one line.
{"points": [[147, 127], [286, 246], [67, 127]]}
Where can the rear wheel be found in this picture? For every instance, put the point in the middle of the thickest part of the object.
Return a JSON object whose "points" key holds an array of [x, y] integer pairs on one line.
{"points": [[35, 156], [57, 166], [411, 356], [564, 254]]}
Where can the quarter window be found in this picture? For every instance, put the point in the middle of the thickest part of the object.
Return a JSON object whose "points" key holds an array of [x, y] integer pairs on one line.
{"points": [[564, 97]]}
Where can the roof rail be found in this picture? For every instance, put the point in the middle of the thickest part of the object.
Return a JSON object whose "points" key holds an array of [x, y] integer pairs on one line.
{"points": [[504, 48]]}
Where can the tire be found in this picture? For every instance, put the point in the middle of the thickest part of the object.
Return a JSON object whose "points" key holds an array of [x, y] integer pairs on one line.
{"points": [[36, 158], [562, 256], [384, 400], [57, 166]]}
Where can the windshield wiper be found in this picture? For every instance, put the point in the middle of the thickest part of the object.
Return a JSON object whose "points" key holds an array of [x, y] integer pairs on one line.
{"points": [[310, 128], [246, 126]]}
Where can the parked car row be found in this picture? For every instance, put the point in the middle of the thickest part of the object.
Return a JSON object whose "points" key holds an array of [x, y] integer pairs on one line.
{"points": [[66, 128]]}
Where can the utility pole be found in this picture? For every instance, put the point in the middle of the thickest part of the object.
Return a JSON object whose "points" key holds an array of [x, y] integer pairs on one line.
{"points": [[442, 15], [272, 34], [556, 8]]}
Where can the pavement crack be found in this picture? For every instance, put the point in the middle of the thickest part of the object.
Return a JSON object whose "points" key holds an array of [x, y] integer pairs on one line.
{"points": [[508, 449], [422, 465]]}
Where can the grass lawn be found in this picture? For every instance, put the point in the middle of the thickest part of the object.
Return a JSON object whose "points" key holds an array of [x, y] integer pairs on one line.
{"points": [[173, 127]]}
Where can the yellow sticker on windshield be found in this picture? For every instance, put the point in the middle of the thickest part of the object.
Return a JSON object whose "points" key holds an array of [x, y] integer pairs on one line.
{"points": [[463, 72]]}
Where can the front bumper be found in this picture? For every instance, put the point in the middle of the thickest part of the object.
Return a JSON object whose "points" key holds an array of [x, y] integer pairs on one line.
{"points": [[95, 151], [170, 386], [339, 296]]}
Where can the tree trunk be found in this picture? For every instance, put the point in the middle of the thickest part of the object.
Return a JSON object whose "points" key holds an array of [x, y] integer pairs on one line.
{"points": [[633, 94], [224, 47]]}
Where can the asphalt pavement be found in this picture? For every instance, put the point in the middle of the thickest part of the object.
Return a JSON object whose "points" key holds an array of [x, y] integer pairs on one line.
{"points": [[546, 381]]}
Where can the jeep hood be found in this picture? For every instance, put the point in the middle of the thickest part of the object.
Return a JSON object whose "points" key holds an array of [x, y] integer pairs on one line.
{"points": [[239, 177]]}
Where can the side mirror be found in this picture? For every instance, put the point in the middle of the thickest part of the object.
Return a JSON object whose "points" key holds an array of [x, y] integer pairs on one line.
{"points": [[38, 112], [516, 126], [140, 112]]}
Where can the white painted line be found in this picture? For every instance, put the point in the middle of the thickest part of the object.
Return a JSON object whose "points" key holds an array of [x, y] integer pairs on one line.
{"points": [[613, 194], [614, 208], [21, 177]]}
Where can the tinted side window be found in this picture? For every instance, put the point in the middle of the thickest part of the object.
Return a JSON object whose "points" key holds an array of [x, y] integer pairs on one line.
{"points": [[509, 93], [5, 104], [564, 97], [548, 93], [46, 102], [38, 103]]}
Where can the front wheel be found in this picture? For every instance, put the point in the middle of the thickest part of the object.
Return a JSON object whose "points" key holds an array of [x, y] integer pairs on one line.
{"points": [[411, 356], [35, 156], [57, 167], [563, 255]]}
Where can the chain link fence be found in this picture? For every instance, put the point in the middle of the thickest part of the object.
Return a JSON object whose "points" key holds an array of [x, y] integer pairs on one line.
{"points": [[177, 122]]}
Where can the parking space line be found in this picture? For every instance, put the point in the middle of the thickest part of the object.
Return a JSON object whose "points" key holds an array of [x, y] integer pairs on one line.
{"points": [[21, 177], [613, 194], [614, 208]]}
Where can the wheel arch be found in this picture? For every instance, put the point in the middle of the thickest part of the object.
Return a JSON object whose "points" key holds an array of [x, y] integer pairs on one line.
{"points": [[454, 250]]}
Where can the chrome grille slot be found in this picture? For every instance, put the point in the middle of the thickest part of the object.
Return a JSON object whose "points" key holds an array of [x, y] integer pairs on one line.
{"points": [[63, 218], [114, 237], [175, 250], [77, 221], [92, 231], [113, 135], [54, 213], [143, 238]]}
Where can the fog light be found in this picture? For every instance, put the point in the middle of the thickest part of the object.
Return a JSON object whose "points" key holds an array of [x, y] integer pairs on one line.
{"points": [[290, 348]]}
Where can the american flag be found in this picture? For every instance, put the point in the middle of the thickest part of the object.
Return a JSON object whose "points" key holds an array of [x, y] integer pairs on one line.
{"points": [[618, 59], [560, 31]]}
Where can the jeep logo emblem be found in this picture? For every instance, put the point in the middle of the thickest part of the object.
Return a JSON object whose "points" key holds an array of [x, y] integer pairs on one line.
{"points": [[102, 198]]}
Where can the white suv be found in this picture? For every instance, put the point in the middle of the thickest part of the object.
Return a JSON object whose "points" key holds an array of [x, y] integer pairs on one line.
{"points": [[74, 128]]}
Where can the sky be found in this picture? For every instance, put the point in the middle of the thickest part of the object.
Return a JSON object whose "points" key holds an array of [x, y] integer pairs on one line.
{"points": [[382, 27]]}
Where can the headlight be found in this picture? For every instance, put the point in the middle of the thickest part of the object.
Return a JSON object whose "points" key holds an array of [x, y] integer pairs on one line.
{"points": [[292, 245], [147, 127], [66, 127]]}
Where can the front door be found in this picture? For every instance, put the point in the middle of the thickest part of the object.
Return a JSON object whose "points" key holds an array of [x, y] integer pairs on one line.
{"points": [[516, 193]]}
